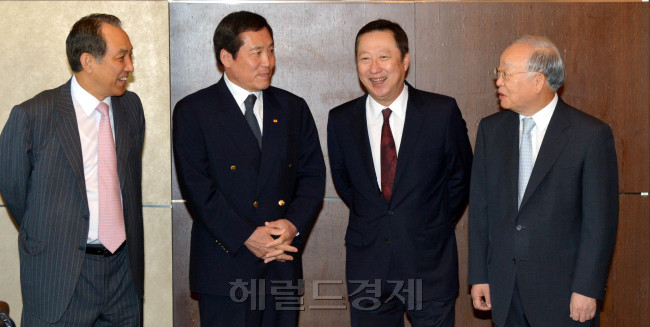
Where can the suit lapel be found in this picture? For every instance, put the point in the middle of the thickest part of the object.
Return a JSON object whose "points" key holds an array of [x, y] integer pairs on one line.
{"points": [[274, 136], [509, 153], [415, 115], [121, 125], [361, 144], [67, 131], [233, 122], [554, 142]]}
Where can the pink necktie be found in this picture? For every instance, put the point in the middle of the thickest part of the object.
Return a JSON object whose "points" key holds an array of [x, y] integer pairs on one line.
{"points": [[111, 220]]}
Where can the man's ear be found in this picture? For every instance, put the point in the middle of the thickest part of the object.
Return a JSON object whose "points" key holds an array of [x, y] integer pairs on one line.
{"points": [[226, 58], [87, 62], [540, 82], [406, 61]]}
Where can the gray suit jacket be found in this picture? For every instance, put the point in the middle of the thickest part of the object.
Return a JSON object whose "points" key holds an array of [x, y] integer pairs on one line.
{"points": [[562, 237], [43, 185]]}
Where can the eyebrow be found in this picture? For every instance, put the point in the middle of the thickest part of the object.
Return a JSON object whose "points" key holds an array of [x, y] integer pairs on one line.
{"points": [[262, 46]]}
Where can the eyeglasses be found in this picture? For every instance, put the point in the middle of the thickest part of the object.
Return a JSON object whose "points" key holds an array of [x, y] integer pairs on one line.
{"points": [[506, 76]]}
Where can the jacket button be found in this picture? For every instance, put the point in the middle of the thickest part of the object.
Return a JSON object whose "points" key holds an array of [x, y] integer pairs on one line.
{"points": [[390, 212], [233, 167], [255, 204], [519, 227], [387, 240], [514, 261], [281, 202]]}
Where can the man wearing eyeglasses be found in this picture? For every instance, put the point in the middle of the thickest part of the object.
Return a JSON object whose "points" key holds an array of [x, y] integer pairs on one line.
{"points": [[543, 199]]}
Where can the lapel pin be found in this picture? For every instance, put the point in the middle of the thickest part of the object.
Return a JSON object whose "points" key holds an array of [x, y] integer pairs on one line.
{"points": [[275, 120]]}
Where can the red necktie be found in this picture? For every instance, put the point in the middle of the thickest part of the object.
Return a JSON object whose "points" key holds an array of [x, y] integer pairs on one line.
{"points": [[388, 157], [111, 220]]}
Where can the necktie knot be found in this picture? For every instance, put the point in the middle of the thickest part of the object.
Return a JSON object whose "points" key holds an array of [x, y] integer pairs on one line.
{"points": [[250, 102], [249, 115], [102, 107], [386, 113], [529, 124]]}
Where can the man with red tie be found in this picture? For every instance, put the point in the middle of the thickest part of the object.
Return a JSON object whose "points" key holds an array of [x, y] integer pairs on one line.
{"points": [[400, 159]]}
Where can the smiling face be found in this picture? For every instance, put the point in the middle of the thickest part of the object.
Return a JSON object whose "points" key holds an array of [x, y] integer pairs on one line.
{"points": [[380, 66], [253, 68], [104, 77]]}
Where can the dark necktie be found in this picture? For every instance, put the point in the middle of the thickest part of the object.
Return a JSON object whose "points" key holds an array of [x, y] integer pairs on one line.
{"points": [[251, 120], [388, 156]]}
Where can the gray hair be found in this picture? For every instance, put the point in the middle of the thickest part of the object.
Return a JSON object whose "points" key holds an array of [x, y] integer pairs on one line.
{"points": [[545, 59]]}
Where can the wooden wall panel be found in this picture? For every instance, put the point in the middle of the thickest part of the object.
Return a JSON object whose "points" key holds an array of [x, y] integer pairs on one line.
{"points": [[605, 48], [628, 287], [314, 61], [454, 47]]}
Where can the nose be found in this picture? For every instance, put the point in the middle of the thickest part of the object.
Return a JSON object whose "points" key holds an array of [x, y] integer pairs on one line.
{"points": [[129, 64], [267, 58], [375, 67], [499, 81]]}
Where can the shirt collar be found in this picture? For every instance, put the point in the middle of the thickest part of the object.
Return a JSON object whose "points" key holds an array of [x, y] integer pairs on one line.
{"points": [[398, 107], [239, 93], [543, 117], [85, 100]]}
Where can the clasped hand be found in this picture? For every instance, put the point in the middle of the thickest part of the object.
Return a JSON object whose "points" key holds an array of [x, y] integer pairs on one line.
{"points": [[264, 246]]}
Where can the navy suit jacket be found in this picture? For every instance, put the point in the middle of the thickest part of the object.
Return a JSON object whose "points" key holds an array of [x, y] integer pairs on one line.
{"points": [[43, 185], [412, 237], [562, 237], [231, 187]]}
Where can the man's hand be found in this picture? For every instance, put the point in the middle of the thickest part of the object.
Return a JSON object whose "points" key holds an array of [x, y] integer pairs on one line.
{"points": [[582, 308], [258, 243], [285, 239], [481, 297]]}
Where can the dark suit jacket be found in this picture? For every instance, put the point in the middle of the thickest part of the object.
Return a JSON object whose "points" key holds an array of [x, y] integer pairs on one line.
{"points": [[43, 185], [231, 187], [414, 233], [561, 239]]}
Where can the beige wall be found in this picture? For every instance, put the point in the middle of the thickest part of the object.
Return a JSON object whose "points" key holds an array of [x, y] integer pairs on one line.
{"points": [[33, 59]]}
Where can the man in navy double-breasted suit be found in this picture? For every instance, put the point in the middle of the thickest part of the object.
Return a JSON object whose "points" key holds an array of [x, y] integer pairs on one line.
{"points": [[251, 168]]}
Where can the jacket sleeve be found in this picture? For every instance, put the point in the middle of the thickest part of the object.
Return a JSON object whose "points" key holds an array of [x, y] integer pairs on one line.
{"points": [[478, 216], [599, 216], [15, 162], [337, 165], [209, 207], [459, 163], [310, 183]]}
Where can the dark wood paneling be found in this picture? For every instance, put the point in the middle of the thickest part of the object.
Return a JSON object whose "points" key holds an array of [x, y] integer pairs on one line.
{"points": [[324, 268], [454, 47], [313, 60], [628, 287], [605, 48]]}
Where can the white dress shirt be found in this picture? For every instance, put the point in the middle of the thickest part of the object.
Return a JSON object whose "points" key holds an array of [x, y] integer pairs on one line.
{"points": [[541, 118], [375, 120], [88, 123], [240, 95]]}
